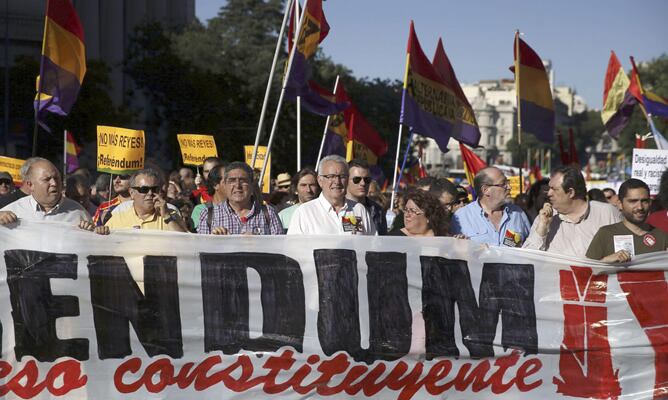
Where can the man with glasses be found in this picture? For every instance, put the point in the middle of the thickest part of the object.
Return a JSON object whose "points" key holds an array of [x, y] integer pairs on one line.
{"points": [[359, 182], [6, 184], [611, 196], [149, 209], [122, 189], [492, 219], [570, 230], [331, 213], [242, 213]]}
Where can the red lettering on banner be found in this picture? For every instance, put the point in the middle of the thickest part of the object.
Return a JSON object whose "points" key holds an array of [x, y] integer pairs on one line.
{"points": [[160, 374], [585, 363], [647, 295], [68, 372]]}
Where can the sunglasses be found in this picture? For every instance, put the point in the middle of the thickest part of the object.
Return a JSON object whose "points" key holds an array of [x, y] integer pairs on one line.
{"points": [[123, 177], [5, 182], [146, 189], [358, 179]]}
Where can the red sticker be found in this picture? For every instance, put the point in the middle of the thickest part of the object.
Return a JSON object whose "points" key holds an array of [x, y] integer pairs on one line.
{"points": [[649, 240]]}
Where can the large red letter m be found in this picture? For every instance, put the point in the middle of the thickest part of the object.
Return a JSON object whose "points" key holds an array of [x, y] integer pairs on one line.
{"points": [[585, 364]]}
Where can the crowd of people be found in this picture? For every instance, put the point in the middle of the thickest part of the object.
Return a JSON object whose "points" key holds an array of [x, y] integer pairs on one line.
{"points": [[341, 198]]}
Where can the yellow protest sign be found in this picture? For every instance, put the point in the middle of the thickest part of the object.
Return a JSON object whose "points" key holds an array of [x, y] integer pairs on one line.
{"points": [[196, 148], [119, 150], [259, 160], [13, 166], [514, 182]]}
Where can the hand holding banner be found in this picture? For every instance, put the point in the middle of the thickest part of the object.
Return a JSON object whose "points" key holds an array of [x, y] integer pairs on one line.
{"points": [[119, 150], [196, 148]]}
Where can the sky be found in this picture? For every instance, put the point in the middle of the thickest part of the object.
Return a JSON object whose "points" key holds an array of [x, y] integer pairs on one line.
{"points": [[370, 36]]}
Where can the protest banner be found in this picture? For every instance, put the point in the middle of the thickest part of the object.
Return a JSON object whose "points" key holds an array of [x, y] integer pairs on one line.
{"points": [[648, 165], [514, 182], [119, 150], [149, 314], [12, 166], [196, 148], [259, 160]]}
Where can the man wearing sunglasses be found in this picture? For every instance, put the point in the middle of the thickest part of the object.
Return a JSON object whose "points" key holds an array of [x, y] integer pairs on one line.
{"points": [[122, 189], [6, 184], [359, 182], [149, 208], [492, 219], [331, 213]]}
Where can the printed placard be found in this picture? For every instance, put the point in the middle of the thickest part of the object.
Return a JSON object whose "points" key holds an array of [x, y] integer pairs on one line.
{"points": [[13, 166], [514, 182], [648, 165], [119, 150], [259, 160], [196, 148]]}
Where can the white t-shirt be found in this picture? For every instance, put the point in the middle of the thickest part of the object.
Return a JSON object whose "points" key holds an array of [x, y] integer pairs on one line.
{"points": [[66, 210], [318, 217]]}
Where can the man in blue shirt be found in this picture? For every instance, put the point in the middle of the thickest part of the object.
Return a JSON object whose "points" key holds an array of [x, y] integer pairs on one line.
{"points": [[490, 219]]}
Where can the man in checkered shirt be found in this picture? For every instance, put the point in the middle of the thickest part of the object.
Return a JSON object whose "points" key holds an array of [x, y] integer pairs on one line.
{"points": [[242, 213]]}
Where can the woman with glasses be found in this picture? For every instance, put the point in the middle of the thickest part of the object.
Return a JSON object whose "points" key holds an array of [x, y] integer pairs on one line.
{"points": [[423, 216]]}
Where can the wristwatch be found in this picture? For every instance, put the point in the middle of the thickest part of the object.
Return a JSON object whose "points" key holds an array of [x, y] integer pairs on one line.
{"points": [[170, 217]]}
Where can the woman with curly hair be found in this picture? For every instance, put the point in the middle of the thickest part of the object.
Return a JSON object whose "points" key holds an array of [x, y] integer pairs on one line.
{"points": [[423, 216]]}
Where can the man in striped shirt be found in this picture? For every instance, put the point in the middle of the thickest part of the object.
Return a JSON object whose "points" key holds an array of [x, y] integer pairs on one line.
{"points": [[243, 212]]}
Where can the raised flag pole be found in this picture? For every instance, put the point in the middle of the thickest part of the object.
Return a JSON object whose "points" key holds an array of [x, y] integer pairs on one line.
{"points": [[288, 5], [299, 105], [401, 128], [517, 93], [324, 133], [64, 154], [280, 99], [35, 131]]}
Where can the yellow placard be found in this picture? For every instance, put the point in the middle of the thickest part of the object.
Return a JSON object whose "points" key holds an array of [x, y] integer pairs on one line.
{"points": [[119, 150], [259, 160], [13, 166], [514, 182], [196, 148]]}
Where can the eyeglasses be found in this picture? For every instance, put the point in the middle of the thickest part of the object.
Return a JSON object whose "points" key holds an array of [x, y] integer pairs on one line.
{"points": [[332, 177], [413, 211], [503, 184], [123, 177], [146, 189], [5, 182], [239, 181], [358, 179]]}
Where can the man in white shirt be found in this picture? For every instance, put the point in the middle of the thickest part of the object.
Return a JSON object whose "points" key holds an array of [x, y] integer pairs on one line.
{"points": [[46, 203], [572, 228], [331, 213]]}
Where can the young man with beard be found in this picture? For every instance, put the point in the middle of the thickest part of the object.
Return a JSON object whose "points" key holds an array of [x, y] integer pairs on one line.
{"points": [[621, 241], [122, 189], [305, 186]]}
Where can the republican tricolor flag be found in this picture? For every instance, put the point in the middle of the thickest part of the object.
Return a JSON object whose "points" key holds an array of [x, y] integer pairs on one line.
{"points": [[72, 151], [618, 101], [63, 62]]}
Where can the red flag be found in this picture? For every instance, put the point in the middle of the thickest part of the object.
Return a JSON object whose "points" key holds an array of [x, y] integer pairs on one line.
{"points": [[472, 163]]}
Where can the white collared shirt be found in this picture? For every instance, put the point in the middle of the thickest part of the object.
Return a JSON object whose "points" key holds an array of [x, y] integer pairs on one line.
{"points": [[66, 210], [318, 217]]}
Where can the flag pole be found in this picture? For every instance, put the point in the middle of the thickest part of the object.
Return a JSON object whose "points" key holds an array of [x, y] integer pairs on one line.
{"points": [[401, 127], [35, 131], [324, 133], [408, 148], [265, 102], [280, 99], [299, 105], [64, 154], [517, 92]]}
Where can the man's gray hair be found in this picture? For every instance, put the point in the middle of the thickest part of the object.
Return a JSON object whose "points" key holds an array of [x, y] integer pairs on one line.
{"points": [[148, 172], [482, 178], [27, 165], [239, 165], [333, 158]]}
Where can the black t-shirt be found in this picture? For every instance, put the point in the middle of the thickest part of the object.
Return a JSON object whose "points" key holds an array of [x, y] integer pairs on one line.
{"points": [[10, 198]]}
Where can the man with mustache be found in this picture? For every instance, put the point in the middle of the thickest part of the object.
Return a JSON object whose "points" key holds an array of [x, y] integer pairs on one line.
{"points": [[571, 229], [621, 241], [331, 213]]}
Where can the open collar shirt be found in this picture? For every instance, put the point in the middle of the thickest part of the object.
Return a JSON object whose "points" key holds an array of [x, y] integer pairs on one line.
{"points": [[472, 221], [66, 210], [254, 223], [318, 217]]}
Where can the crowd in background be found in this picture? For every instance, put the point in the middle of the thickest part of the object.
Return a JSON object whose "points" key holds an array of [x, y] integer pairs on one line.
{"points": [[555, 214]]}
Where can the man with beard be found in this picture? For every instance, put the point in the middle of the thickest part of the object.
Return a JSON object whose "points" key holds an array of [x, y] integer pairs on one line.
{"points": [[331, 213], [122, 190], [149, 209], [570, 231], [621, 241], [46, 202], [305, 186]]}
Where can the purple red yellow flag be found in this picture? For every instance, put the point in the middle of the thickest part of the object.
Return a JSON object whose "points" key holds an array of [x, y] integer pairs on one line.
{"points": [[72, 151], [472, 164], [618, 101], [63, 63], [432, 101], [653, 103], [533, 92], [314, 29]]}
